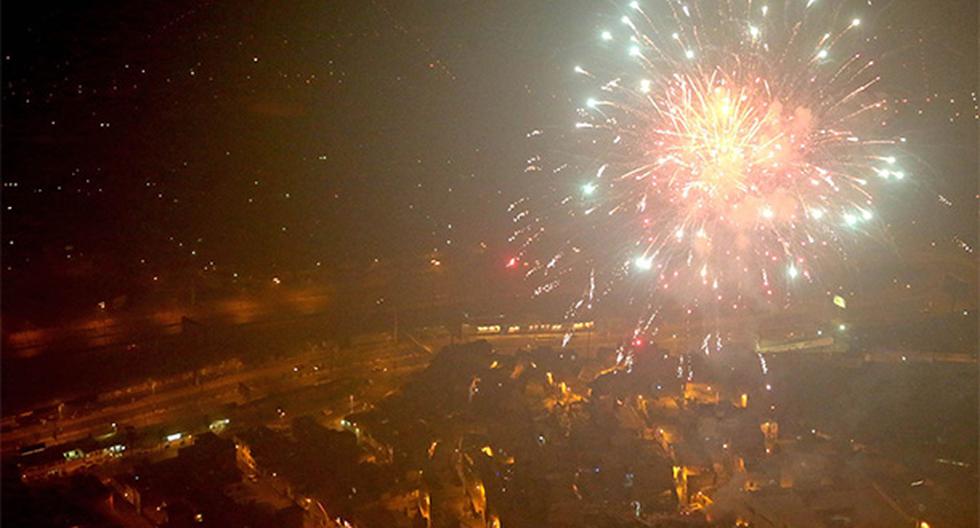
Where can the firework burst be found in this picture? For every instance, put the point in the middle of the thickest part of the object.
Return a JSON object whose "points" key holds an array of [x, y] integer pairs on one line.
{"points": [[734, 148]]}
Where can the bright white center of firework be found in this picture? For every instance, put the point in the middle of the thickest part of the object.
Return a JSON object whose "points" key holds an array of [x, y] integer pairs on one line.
{"points": [[634, 51], [816, 214], [689, 54], [643, 263], [645, 86], [607, 36], [754, 31], [588, 189], [823, 54], [720, 140], [866, 215], [591, 103], [792, 271], [635, 5], [767, 213], [890, 160], [856, 22], [850, 219]]}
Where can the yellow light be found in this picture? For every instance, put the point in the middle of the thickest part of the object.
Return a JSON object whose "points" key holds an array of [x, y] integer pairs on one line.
{"points": [[840, 302]]}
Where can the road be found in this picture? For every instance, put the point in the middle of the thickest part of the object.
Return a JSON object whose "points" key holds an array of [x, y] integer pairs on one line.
{"points": [[273, 377]]}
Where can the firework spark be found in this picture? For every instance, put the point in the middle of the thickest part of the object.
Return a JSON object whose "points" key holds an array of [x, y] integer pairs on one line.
{"points": [[732, 150]]}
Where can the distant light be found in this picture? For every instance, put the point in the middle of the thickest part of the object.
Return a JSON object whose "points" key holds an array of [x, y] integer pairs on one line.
{"points": [[643, 263], [588, 189], [842, 327], [174, 437], [219, 425], [606, 35], [822, 54]]}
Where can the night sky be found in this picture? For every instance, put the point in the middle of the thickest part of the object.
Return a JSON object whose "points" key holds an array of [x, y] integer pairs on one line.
{"points": [[145, 140]]}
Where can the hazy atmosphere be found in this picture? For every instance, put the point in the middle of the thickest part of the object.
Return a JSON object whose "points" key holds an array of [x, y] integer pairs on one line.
{"points": [[488, 264]]}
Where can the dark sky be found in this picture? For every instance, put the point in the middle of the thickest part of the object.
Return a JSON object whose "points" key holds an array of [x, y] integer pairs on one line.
{"points": [[259, 138]]}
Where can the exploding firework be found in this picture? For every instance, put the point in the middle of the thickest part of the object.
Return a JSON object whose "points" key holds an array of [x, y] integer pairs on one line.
{"points": [[734, 149]]}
